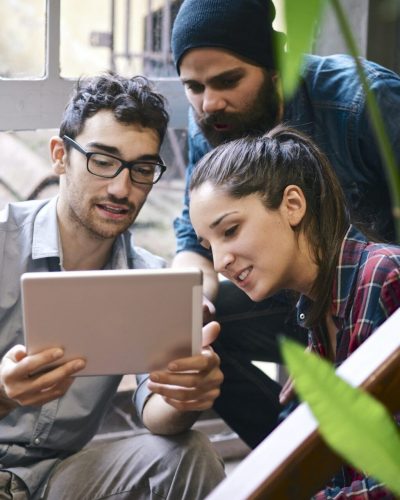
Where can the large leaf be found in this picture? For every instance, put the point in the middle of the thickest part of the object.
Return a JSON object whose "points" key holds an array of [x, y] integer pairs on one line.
{"points": [[301, 18], [352, 422]]}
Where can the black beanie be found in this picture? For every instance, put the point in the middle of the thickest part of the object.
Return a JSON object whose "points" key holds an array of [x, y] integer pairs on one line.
{"points": [[240, 26]]}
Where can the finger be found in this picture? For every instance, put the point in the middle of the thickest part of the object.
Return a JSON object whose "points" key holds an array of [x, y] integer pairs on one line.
{"points": [[31, 387], [187, 383], [46, 395], [16, 353], [177, 392], [194, 381], [183, 380], [207, 360], [55, 376], [19, 352], [192, 406], [208, 310], [207, 303], [204, 361], [29, 364], [286, 393], [210, 333], [288, 383], [199, 404]]}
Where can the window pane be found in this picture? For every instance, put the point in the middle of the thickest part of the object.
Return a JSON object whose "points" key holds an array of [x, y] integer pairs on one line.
{"points": [[128, 36], [22, 38], [25, 166], [81, 22]]}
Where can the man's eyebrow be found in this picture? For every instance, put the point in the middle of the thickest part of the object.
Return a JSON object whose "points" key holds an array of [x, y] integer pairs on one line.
{"points": [[230, 73], [220, 219], [149, 157], [112, 150]]}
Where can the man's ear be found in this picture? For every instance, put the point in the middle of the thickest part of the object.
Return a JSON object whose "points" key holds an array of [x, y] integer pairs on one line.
{"points": [[58, 155], [294, 203]]}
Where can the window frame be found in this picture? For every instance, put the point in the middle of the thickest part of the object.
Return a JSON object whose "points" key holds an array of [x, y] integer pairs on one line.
{"points": [[38, 103]]}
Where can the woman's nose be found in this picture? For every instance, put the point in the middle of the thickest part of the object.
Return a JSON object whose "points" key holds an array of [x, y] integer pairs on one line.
{"points": [[222, 261]]}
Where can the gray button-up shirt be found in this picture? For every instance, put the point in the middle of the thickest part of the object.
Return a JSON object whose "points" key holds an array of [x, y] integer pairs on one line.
{"points": [[34, 439]]}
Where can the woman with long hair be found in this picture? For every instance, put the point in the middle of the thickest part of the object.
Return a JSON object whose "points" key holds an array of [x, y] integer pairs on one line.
{"points": [[274, 216]]}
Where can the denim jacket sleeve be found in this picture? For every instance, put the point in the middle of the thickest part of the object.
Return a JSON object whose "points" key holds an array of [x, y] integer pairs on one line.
{"points": [[331, 106], [386, 87], [366, 153], [186, 239]]}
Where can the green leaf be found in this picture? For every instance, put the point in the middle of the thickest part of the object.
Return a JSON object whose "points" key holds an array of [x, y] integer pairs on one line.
{"points": [[352, 422], [301, 19]]}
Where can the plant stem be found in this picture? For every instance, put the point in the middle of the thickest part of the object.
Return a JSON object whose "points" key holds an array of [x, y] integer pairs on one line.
{"points": [[385, 147]]}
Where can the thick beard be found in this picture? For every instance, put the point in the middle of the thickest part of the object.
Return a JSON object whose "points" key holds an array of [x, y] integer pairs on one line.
{"points": [[261, 116]]}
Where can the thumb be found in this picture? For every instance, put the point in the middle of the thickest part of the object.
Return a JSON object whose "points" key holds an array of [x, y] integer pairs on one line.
{"points": [[210, 333], [16, 353]]}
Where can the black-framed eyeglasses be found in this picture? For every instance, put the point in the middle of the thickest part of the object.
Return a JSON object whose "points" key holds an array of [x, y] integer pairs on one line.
{"points": [[109, 166]]}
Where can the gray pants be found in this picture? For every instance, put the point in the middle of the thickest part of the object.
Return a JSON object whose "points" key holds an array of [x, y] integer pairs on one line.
{"points": [[143, 467]]}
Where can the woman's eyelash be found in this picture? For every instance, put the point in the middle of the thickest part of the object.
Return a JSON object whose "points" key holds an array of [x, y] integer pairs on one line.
{"points": [[231, 230]]}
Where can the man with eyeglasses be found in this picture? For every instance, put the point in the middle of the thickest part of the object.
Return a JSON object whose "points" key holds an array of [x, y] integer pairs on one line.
{"points": [[107, 159]]}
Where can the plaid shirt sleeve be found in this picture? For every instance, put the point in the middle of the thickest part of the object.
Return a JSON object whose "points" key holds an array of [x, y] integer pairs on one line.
{"points": [[377, 297], [365, 489]]}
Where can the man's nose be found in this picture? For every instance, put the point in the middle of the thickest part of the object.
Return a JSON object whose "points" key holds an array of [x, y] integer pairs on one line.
{"points": [[120, 185], [213, 101]]}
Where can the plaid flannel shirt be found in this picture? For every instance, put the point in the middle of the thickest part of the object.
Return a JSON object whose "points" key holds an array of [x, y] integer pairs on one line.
{"points": [[366, 292]]}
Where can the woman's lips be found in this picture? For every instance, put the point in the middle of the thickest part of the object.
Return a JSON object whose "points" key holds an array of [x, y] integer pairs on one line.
{"points": [[242, 277]]}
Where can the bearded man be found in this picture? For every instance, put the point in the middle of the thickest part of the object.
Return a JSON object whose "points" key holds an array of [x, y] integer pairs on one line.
{"points": [[224, 54]]}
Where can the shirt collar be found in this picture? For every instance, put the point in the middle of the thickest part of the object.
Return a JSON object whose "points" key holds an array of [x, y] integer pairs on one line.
{"points": [[45, 232]]}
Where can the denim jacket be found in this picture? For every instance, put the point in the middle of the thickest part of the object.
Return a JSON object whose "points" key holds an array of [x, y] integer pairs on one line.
{"points": [[330, 107]]}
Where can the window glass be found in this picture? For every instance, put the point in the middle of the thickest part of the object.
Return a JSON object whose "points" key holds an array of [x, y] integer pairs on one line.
{"points": [[22, 38], [25, 167], [127, 36], [84, 31]]}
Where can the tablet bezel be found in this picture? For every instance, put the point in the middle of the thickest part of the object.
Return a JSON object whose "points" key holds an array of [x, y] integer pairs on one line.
{"points": [[120, 321]]}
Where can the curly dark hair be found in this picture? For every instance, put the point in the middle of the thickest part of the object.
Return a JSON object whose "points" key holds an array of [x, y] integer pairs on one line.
{"points": [[132, 100]]}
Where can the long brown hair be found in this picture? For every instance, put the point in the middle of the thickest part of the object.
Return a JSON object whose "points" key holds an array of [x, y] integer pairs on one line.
{"points": [[266, 165]]}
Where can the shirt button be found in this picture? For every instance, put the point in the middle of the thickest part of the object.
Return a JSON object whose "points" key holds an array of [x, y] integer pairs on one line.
{"points": [[302, 316], [36, 441]]}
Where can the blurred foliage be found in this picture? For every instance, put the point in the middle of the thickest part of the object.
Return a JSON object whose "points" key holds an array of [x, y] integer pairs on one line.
{"points": [[301, 20]]}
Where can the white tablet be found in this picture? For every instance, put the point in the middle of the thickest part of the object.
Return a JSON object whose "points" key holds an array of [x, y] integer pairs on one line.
{"points": [[123, 321]]}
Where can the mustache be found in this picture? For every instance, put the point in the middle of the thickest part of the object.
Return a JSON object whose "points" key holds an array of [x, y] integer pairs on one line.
{"points": [[124, 202], [210, 119]]}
